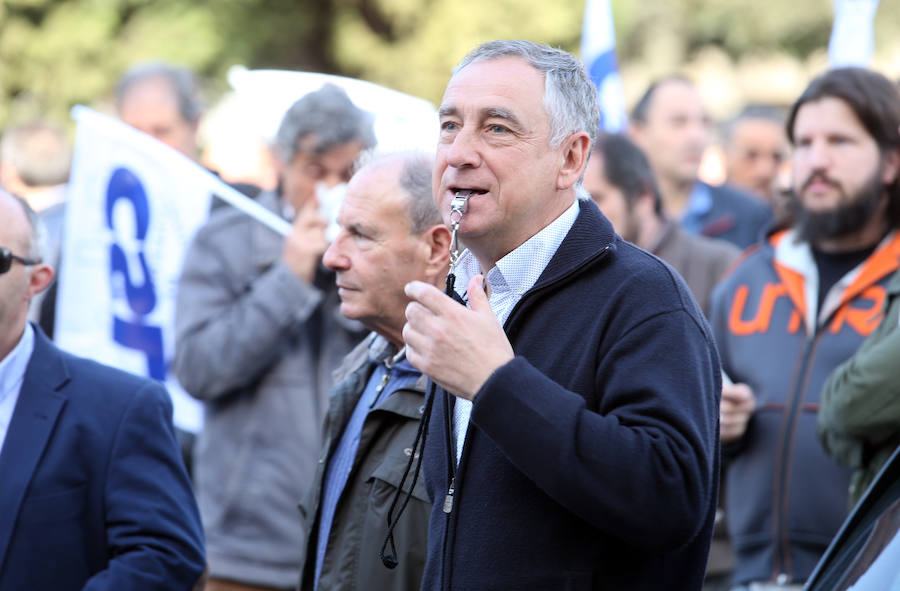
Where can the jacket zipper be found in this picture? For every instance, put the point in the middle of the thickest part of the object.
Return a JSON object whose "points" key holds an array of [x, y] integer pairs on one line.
{"points": [[782, 548], [449, 498]]}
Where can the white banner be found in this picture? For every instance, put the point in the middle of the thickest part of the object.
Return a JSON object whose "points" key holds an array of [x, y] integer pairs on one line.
{"points": [[852, 37], [402, 121], [133, 206]]}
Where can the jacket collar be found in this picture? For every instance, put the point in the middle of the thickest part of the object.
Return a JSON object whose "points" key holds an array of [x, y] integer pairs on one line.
{"points": [[40, 402], [590, 235], [795, 266]]}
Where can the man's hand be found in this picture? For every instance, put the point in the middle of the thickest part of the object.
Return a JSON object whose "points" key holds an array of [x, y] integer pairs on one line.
{"points": [[738, 404], [306, 243], [457, 347]]}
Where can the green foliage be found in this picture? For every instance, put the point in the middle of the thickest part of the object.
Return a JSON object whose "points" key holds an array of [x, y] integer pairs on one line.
{"points": [[57, 53]]}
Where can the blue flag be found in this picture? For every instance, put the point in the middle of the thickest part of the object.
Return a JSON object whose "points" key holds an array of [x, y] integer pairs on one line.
{"points": [[598, 50]]}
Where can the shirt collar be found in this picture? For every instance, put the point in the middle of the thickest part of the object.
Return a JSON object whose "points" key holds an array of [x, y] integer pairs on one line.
{"points": [[382, 351], [519, 270], [12, 368]]}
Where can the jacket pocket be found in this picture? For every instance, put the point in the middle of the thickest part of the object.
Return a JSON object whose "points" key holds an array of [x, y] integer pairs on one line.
{"points": [[390, 471], [59, 506]]}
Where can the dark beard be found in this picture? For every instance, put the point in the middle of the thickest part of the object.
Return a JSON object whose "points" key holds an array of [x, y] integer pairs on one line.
{"points": [[847, 218]]}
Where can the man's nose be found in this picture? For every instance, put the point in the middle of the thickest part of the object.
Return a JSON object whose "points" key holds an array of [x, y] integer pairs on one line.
{"points": [[819, 155], [463, 152], [334, 257]]}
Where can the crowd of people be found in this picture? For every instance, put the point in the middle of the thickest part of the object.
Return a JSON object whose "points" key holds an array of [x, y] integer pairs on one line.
{"points": [[542, 357]]}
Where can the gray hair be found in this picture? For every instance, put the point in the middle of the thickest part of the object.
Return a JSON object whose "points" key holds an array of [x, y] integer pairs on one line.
{"points": [[183, 81], [570, 97], [39, 153], [37, 237], [327, 115], [415, 179]]}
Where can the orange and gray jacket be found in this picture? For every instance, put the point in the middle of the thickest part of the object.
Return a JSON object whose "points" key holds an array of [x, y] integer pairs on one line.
{"points": [[786, 498]]}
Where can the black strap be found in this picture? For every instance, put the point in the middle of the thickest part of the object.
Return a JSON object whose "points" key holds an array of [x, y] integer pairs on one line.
{"points": [[389, 559]]}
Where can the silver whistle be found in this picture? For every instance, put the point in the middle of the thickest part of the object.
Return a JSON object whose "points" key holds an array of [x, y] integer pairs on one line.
{"points": [[458, 207]]}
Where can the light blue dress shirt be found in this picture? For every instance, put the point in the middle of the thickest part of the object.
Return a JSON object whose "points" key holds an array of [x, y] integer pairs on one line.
{"points": [[12, 374]]}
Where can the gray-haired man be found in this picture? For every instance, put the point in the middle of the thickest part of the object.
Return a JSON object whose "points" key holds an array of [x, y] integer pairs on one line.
{"points": [[258, 334], [574, 443], [391, 233]]}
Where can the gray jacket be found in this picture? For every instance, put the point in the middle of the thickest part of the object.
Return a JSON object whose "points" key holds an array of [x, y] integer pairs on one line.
{"points": [[258, 345], [360, 523]]}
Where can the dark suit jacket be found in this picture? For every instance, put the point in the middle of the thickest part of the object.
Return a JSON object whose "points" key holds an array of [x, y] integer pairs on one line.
{"points": [[736, 217], [93, 494]]}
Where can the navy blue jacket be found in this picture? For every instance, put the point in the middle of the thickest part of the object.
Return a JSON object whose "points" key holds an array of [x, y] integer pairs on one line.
{"points": [[591, 459], [735, 216], [93, 492]]}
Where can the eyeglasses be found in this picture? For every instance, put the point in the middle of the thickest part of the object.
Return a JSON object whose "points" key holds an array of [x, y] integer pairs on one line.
{"points": [[7, 258]]}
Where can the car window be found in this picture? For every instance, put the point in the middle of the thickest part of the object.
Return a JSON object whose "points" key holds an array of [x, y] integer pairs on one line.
{"points": [[875, 565]]}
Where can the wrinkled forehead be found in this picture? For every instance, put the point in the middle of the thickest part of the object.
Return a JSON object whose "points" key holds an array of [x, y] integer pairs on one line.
{"points": [[502, 85]]}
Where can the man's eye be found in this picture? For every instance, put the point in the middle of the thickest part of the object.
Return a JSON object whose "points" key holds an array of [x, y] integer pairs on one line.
{"points": [[498, 129], [448, 126]]}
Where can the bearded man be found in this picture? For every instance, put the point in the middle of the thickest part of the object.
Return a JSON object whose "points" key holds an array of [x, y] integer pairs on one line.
{"points": [[794, 309]]}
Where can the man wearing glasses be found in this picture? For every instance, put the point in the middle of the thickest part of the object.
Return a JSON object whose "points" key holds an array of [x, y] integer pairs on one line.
{"points": [[94, 493]]}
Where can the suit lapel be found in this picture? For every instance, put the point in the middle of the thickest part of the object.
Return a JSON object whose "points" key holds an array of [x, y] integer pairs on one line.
{"points": [[31, 427]]}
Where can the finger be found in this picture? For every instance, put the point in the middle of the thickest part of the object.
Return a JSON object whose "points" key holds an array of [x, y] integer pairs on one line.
{"points": [[415, 315], [737, 393], [478, 299], [430, 297]]}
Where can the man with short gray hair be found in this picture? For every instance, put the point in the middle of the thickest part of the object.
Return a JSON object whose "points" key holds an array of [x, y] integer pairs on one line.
{"points": [[258, 334], [573, 441], [390, 234]]}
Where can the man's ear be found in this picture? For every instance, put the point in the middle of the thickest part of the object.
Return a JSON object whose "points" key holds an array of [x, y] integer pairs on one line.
{"points": [[891, 166], [437, 241], [576, 149], [645, 205], [40, 276]]}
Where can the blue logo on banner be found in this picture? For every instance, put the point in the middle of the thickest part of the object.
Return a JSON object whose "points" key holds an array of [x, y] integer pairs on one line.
{"points": [[134, 333]]}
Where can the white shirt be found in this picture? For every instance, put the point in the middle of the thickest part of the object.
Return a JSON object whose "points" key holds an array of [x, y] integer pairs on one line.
{"points": [[512, 276], [12, 373]]}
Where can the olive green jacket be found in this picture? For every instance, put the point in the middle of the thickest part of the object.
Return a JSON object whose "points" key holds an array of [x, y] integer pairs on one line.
{"points": [[859, 417], [360, 522]]}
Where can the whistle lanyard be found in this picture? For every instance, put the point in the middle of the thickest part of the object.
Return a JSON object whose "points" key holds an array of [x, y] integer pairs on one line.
{"points": [[458, 207], [388, 552]]}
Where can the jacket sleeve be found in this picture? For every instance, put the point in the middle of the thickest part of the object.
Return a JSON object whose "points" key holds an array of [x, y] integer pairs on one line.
{"points": [[153, 531], [861, 399], [231, 321], [643, 464]]}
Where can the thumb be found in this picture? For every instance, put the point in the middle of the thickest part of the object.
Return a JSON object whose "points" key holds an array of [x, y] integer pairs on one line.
{"points": [[478, 300]]}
